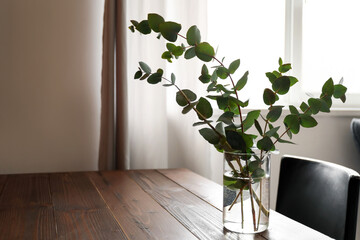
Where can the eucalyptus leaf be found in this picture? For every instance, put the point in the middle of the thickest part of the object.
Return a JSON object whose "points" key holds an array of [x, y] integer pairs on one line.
{"points": [[272, 132], [328, 87], [292, 121], [210, 135], [304, 107], [182, 100], [154, 21], [242, 81], [222, 72], [138, 74], [193, 36], [190, 53], [274, 113], [143, 27], [269, 96], [293, 110], [169, 30], [234, 66], [189, 107], [226, 117], [173, 78], [284, 68], [315, 105], [250, 118], [265, 144], [307, 121], [258, 127], [145, 67], [204, 107], [339, 90], [281, 85], [204, 51], [271, 76]]}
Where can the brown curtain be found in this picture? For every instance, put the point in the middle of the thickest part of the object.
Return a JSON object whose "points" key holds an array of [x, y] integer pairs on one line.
{"points": [[113, 129]]}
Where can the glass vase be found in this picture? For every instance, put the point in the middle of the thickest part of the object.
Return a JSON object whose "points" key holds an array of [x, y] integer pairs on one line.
{"points": [[246, 184]]}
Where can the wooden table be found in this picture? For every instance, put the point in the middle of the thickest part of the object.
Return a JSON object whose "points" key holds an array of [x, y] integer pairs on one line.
{"points": [[139, 204]]}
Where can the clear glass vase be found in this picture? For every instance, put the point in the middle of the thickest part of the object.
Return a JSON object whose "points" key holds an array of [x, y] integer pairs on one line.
{"points": [[246, 183]]}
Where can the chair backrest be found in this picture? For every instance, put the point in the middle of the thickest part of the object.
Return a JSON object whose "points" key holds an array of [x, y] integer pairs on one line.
{"points": [[321, 195], [355, 129]]}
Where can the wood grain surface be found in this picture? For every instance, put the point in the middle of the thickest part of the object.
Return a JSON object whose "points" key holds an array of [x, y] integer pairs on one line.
{"points": [[137, 204]]}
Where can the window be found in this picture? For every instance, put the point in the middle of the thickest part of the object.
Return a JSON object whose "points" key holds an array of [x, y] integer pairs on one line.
{"points": [[319, 37]]}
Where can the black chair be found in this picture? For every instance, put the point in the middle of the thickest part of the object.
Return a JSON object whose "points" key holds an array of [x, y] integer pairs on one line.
{"points": [[321, 195], [355, 129]]}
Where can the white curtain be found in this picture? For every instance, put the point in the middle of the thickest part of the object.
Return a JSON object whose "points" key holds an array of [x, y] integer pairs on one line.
{"points": [[160, 136]]}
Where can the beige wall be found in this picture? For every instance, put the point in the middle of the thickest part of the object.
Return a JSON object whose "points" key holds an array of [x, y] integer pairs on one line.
{"points": [[50, 69]]}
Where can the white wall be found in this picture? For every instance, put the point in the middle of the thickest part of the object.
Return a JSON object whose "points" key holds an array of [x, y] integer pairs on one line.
{"points": [[50, 75]]}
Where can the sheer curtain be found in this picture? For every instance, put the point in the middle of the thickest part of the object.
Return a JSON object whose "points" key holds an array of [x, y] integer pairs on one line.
{"points": [[159, 135]]}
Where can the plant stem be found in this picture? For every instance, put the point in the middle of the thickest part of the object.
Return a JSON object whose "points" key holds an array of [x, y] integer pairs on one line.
{"points": [[258, 221], [233, 203], [252, 205], [236, 93]]}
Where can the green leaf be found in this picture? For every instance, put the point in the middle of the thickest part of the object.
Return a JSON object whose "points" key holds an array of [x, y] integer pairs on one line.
{"points": [[145, 67], [204, 51], [234, 66], [315, 105], [204, 107], [201, 123], [339, 91], [181, 100], [328, 87], [274, 113], [155, 77], [154, 21], [285, 68], [132, 28], [250, 118], [258, 173], [190, 53], [173, 78], [280, 62], [134, 22], [265, 144], [169, 30], [293, 80], [304, 107], [222, 72], [324, 106], [284, 141], [307, 121], [242, 81], [210, 135], [271, 76], [189, 107], [258, 127], [269, 96], [193, 36], [204, 78], [138, 74], [220, 128], [222, 102], [167, 55], [176, 50], [143, 27], [204, 70], [281, 85], [239, 141], [272, 132], [226, 117], [292, 121], [293, 110], [254, 165]]}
